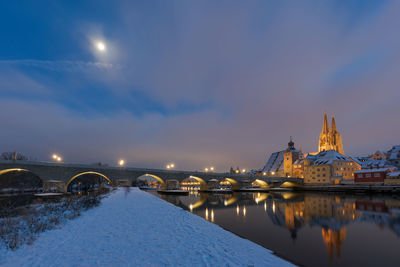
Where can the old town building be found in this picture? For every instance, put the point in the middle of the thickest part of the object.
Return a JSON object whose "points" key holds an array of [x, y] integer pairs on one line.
{"points": [[281, 163], [330, 139], [367, 176], [329, 167]]}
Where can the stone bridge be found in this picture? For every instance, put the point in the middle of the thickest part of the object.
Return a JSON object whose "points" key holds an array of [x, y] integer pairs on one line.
{"points": [[66, 173]]}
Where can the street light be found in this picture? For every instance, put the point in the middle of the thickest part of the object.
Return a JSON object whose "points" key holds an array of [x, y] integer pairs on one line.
{"points": [[206, 169], [170, 166], [121, 162], [56, 157], [264, 173], [211, 168], [244, 170]]}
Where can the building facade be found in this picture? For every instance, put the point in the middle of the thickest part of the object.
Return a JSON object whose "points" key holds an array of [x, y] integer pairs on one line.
{"points": [[280, 164], [330, 139], [370, 176], [329, 167]]}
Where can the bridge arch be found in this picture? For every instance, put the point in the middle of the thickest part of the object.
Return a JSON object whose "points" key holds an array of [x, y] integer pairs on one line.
{"points": [[235, 184], [159, 179], [261, 183], [14, 180], [203, 184], [289, 184], [85, 173]]}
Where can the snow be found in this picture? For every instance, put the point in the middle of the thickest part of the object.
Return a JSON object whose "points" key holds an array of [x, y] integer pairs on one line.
{"points": [[134, 228], [48, 194]]}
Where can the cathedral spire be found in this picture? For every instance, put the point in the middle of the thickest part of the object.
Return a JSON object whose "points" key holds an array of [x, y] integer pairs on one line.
{"points": [[333, 125], [325, 127]]}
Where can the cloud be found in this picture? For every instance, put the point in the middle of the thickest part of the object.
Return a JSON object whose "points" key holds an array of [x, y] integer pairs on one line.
{"points": [[254, 73], [58, 65]]}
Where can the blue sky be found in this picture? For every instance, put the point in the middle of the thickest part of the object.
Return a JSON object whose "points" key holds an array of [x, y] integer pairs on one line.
{"points": [[198, 83]]}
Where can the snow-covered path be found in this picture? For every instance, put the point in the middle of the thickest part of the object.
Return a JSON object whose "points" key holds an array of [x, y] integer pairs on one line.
{"points": [[135, 229]]}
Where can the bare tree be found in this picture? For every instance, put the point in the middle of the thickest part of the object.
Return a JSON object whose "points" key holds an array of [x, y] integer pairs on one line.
{"points": [[12, 156]]}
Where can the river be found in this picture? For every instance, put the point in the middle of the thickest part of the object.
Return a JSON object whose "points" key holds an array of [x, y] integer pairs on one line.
{"points": [[310, 229]]}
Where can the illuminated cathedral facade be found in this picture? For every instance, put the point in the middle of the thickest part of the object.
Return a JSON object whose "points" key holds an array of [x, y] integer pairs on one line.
{"points": [[330, 139]]}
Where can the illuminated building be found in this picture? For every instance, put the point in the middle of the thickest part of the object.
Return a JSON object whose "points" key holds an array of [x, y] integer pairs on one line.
{"points": [[329, 167], [280, 164], [330, 139]]}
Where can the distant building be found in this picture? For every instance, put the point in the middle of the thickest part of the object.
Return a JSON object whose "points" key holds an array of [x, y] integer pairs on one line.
{"points": [[371, 175], [378, 155], [329, 167], [330, 139], [393, 156], [281, 163], [393, 178], [376, 164]]}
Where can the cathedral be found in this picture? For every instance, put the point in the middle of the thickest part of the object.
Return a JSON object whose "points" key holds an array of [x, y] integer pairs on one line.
{"points": [[330, 139]]}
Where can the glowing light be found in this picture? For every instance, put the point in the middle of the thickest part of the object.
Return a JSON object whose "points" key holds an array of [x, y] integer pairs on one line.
{"points": [[191, 207], [206, 169], [237, 171], [244, 170], [168, 167], [264, 173], [244, 211], [207, 214], [265, 206], [212, 215], [55, 156], [121, 162], [273, 207], [273, 173], [59, 159], [237, 210], [172, 165], [211, 168], [101, 46]]}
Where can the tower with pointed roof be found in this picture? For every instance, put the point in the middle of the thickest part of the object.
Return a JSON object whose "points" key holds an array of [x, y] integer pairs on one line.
{"points": [[336, 139], [330, 139]]}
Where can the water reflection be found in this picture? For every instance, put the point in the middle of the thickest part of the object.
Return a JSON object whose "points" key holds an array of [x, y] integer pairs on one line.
{"points": [[326, 223]]}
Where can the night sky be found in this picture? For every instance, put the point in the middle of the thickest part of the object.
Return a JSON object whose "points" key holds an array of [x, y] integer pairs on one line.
{"points": [[197, 83]]}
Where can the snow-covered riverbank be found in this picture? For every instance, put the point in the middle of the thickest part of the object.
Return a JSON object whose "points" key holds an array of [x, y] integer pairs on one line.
{"points": [[134, 229]]}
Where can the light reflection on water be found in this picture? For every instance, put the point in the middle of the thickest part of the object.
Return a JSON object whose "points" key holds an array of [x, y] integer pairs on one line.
{"points": [[309, 229]]}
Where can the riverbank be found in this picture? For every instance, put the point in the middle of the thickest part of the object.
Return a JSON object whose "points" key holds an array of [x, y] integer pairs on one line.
{"points": [[134, 228], [353, 188]]}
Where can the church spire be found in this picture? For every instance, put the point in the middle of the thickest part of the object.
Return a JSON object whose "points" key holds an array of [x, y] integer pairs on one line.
{"points": [[333, 124], [325, 127]]}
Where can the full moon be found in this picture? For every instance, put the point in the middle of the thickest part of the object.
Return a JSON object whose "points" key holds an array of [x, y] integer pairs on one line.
{"points": [[101, 46]]}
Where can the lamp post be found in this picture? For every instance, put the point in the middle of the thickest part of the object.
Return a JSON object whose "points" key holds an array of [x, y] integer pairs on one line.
{"points": [[56, 157], [170, 166]]}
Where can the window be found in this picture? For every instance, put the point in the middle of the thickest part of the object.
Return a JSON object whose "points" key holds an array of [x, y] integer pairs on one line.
{"points": [[377, 174], [323, 169], [323, 175], [359, 175], [318, 175], [317, 169], [368, 175]]}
